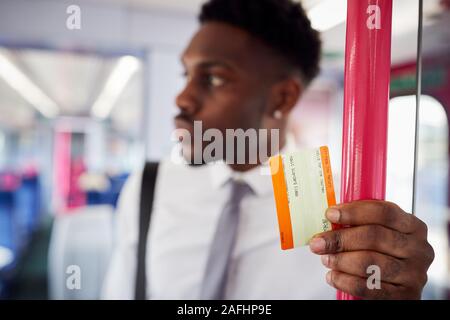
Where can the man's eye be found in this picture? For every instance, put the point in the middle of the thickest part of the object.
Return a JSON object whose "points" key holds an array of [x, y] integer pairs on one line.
{"points": [[215, 81]]}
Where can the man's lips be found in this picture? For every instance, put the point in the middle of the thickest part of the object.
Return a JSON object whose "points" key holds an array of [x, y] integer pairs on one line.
{"points": [[182, 123]]}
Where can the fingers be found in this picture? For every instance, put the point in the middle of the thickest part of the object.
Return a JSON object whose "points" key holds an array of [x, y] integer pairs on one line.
{"points": [[367, 237], [382, 213], [359, 287], [358, 263], [383, 239]]}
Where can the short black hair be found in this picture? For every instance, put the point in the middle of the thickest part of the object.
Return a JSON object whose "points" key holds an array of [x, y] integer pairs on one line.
{"points": [[280, 24]]}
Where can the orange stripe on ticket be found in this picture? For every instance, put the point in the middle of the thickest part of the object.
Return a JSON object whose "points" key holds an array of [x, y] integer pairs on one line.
{"points": [[328, 176], [281, 202]]}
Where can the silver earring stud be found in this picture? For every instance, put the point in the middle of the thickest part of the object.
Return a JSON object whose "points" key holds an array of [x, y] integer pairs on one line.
{"points": [[278, 115]]}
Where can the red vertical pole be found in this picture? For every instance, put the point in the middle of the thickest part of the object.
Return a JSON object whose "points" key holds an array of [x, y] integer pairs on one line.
{"points": [[366, 97]]}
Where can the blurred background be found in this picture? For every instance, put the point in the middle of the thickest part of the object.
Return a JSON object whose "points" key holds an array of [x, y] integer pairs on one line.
{"points": [[82, 108]]}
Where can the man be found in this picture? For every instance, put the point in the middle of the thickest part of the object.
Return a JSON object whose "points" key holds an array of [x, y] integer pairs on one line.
{"points": [[246, 68]]}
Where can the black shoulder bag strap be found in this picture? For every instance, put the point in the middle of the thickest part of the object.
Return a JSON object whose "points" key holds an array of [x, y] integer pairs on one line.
{"points": [[145, 212]]}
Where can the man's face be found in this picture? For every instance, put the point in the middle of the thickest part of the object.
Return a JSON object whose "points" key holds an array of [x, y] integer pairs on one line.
{"points": [[228, 79]]}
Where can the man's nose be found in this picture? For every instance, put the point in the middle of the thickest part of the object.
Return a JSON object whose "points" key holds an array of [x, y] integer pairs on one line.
{"points": [[187, 100]]}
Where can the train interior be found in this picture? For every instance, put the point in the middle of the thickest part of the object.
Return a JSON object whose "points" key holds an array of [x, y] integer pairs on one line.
{"points": [[80, 110]]}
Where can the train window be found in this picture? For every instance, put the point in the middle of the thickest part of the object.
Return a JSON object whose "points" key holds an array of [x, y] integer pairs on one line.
{"points": [[432, 173]]}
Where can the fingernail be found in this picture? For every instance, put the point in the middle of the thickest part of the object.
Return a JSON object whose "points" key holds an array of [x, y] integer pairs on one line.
{"points": [[317, 245], [333, 215], [325, 260], [328, 278]]}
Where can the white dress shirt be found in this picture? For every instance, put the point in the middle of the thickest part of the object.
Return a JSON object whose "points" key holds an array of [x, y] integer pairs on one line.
{"points": [[187, 205]]}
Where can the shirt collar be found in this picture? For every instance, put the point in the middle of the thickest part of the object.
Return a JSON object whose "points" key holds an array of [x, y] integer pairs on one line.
{"points": [[258, 178]]}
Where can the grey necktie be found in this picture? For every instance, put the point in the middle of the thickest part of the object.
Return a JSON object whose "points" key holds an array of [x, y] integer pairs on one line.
{"points": [[215, 277]]}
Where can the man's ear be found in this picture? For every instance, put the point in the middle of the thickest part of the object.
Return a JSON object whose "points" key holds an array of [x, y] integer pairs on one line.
{"points": [[284, 97]]}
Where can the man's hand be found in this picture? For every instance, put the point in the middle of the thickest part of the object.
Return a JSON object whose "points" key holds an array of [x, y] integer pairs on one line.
{"points": [[382, 234]]}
